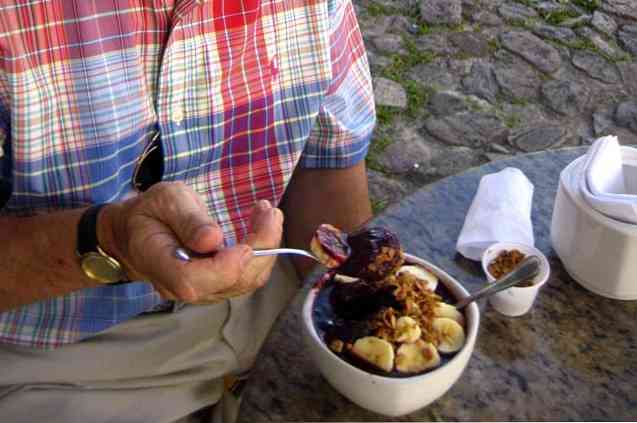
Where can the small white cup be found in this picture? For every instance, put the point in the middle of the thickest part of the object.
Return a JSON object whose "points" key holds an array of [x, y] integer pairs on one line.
{"points": [[515, 301]]}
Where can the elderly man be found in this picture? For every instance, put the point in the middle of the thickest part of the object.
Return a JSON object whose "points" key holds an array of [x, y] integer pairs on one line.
{"points": [[130, 128]]}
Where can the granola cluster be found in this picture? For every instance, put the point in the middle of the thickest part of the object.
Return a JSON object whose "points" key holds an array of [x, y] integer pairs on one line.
{"points": [[418, 302], [505, 263], [386, 262]]}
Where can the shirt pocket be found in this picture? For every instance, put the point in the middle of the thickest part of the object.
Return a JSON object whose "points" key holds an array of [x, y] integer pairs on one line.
{"points": [[243, 96]]}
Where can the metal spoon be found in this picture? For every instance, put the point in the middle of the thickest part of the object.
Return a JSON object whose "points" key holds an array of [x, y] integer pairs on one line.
{"points": [[185, 255], [527, 269]]}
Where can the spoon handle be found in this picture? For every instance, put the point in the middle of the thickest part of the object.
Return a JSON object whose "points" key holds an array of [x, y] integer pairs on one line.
{"points": [[527, 269], [185, 255], [277, 251]]}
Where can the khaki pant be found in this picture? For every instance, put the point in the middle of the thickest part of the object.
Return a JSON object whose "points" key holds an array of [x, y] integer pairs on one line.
{"points": [[155, 368]]}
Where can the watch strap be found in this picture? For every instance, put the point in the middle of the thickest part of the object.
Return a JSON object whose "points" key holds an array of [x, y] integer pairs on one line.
{"points": [[87, 230]]}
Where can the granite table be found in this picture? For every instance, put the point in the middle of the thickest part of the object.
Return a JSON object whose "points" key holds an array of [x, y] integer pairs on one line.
{"points": [[573, 357]]}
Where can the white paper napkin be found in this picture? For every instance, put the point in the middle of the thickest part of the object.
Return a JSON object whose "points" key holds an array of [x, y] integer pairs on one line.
{"points": [[500, 212], [609, 184]]}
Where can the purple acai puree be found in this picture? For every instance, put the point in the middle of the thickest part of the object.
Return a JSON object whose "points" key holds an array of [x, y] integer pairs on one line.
{"points": [[369, 253]]}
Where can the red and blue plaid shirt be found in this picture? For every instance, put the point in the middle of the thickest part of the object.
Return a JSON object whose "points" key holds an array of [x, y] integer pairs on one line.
{"points": [[241, 91]]}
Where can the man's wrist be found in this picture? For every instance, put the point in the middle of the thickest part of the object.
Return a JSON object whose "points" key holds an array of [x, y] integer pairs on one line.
{"points": [[107, 228]]}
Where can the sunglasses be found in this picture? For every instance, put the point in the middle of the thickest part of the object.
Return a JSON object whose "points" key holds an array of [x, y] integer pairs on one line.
{"points": [[150, 165]]}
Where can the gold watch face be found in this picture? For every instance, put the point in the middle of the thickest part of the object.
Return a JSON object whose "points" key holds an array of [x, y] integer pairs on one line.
{"points": [[100, 268]]}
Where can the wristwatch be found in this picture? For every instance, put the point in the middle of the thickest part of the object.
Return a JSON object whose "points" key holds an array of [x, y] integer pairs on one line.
{"points": [[94, 261]]}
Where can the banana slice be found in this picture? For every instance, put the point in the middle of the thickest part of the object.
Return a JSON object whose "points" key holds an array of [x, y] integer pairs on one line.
{"points": [[377, 352], [449, 311], [450, 334], [429, 278], [407, 330], [344, 279], [416, 357]]}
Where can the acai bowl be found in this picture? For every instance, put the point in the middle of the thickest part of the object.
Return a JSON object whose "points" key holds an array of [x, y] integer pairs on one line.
{"points": [[358, 363]]}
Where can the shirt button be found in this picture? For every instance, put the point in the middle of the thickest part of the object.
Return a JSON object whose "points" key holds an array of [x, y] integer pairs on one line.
{"points": [[177, 116]]}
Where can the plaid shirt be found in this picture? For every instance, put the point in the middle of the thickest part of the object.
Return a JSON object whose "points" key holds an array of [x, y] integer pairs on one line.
{"points": [[240, 91]]}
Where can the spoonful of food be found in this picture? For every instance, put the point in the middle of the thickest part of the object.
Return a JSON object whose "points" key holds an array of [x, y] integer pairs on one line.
{"points": [[368, 253]]}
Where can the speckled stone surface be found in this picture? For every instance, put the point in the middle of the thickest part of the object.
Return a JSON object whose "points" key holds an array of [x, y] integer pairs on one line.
{"points": [[573, 357]]}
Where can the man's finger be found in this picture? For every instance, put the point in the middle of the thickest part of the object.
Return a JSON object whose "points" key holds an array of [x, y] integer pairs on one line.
{"points": [[182, 210], [213, 276], [200, 233], [266, 226]]}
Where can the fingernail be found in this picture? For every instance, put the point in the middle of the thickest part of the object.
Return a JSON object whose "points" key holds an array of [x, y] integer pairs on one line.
{"points": [[276, 215], [264, 205], [201, 231]]}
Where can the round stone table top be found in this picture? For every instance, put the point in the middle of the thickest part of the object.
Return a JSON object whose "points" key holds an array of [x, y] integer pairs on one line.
{"points": [[573, 357]]}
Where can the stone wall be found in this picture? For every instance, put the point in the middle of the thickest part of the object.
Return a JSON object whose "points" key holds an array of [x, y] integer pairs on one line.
{"points": [[459, 83]]}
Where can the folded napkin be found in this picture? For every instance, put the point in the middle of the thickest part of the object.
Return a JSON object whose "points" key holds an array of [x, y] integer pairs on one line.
{"points": [[500, 212], [609, 182]]}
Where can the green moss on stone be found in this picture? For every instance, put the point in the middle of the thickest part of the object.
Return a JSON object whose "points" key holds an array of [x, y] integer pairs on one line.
{"points": [[512, 120], [376, 9], [424, 29], [586, 44], [378, 205], [494, 45], [402, 63], [559, 16], [385, 115], [517, 101], [588, 5], [379, 143], [417, 96], [529, 3]]}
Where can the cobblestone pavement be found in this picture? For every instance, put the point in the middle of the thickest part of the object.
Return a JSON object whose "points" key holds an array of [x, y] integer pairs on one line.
{"points": [[459, 83]]}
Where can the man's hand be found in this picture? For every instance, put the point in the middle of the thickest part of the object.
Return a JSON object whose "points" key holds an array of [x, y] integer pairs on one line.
{"points": [[144, 232]]}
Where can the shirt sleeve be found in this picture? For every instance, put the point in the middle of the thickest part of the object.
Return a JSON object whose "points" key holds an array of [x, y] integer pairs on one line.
{"points": [[342, 131]]}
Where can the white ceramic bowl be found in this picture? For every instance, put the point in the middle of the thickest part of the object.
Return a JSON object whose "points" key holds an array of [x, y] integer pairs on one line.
{"points": [[392, 396], [515, 301]]}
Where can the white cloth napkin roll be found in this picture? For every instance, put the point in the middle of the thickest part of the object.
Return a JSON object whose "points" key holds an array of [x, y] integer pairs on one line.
{"points": [[609, 184], [500, 212]]}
